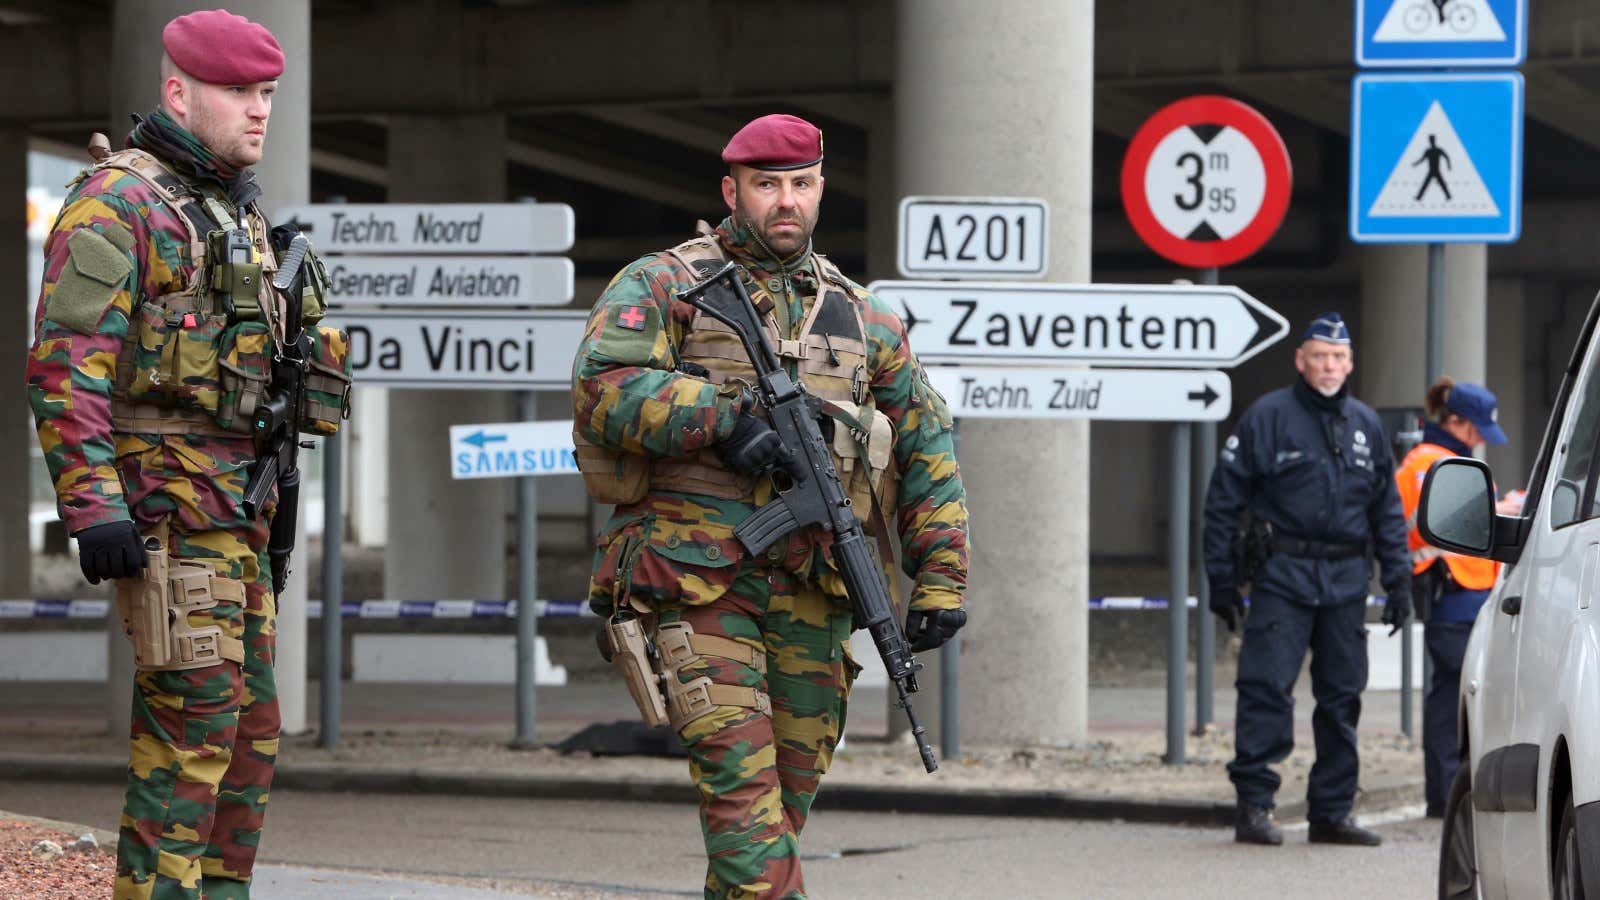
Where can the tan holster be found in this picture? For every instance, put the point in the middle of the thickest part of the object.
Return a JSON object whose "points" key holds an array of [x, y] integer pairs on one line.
{"points": [[155, 612], [678, 646], [625, 646]]}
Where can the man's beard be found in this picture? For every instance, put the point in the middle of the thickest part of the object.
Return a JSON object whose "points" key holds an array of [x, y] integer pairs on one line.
{"points": [[782, 246]]}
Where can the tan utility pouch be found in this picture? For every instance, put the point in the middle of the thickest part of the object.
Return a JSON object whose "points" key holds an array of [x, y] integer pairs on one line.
{"points": [[611, 476], [627, 648], [155, 612], [679, 645]]}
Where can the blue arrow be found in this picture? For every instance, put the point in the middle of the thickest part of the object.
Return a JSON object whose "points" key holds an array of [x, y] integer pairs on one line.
{"points": [[479, 438]]}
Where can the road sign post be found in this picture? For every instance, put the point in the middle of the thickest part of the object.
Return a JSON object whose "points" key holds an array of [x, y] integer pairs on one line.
{"points": [[1206, 182], [456, 264]]}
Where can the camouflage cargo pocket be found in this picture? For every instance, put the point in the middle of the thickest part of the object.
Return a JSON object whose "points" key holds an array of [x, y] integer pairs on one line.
{"points": [[655, 562], [176, 362], [327, 397], [246, 365]]}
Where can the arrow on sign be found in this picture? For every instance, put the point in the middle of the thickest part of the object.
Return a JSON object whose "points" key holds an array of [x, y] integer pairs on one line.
{"points": [[302, 227], [1205, 397], [479, 438]]}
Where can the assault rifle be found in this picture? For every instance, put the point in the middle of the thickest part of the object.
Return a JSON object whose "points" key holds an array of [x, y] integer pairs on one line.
{"points": [[277, 421], [810, 492]]}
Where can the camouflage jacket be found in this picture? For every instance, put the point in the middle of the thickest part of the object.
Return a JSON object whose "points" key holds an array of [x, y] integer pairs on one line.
{"points": [[628, 396], [114, 244]]}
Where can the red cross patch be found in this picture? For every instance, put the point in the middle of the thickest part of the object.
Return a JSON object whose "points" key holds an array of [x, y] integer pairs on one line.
{"points": [[631, 318]]}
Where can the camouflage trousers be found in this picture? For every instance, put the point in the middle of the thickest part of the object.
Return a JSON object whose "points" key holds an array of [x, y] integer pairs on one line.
{"points": [[204, 741], [757, 775]]}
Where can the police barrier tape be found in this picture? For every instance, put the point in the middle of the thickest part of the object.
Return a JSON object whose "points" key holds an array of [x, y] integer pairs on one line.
{"points": [[460, 609]]}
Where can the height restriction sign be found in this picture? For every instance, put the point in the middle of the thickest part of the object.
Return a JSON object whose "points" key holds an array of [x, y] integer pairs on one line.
{"points": [[1206, 181]]}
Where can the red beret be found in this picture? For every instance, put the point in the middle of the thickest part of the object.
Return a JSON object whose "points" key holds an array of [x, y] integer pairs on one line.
{"points": [[775, 142], [219, 47]]}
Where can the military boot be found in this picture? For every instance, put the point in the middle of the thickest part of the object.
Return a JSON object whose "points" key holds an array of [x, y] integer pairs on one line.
{"points": [[1344, 831], [1254, 825]]}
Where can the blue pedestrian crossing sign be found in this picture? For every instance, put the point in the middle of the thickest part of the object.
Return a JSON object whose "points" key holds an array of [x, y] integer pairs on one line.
{"points": [[1441, 33], [1436, 158]]}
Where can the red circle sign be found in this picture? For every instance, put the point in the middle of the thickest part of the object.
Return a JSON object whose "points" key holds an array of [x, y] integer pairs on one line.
{"points": [[1206, 181]]}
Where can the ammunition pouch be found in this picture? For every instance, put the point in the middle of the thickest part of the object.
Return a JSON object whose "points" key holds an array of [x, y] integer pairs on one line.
{"points": [[325, 402], [624, 645], [679, 646], [611, 476], [155, 612]]}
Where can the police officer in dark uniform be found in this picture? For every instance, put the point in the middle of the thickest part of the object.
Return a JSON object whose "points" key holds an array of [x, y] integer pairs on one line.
{"points": [[1313, 468]]}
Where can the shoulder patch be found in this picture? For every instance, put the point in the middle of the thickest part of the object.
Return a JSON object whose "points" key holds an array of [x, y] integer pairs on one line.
{"points": [[95, 270]]}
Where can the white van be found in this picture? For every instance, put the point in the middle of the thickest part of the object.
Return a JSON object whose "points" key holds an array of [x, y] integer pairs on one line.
{"points": [[1523, 817]]}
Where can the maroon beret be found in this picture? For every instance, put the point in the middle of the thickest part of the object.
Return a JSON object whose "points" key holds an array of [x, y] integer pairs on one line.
{"points": [[219, 47], [775, 142]]}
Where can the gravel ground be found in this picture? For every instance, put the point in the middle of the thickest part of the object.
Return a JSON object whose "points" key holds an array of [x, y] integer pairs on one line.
{"points": [[27, 870]]}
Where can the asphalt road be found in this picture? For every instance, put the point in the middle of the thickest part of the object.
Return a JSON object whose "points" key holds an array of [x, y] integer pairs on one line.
{"points": [[381, 846]]}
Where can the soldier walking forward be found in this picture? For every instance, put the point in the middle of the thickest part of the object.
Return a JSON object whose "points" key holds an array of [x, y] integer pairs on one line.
{"points": [[755, 651], [157, 344]]}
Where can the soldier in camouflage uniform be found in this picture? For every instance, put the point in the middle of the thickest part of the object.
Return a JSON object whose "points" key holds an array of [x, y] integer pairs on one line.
{"points": [[143, 382], [758, 681]]}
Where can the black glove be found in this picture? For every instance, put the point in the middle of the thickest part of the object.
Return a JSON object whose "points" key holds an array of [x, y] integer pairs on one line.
{"points": [[754, 448], [1397, 608], [1228, 606], [929, 629], [112, 550]]}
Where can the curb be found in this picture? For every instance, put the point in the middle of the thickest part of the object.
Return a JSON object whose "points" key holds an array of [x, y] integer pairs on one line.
{"points": [[328, 777]]}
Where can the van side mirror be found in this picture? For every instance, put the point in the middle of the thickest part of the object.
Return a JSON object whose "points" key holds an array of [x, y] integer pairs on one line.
{"points": [[1457, 508]]}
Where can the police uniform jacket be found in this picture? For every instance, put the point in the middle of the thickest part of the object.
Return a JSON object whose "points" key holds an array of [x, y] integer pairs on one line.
{"points": [[1317, 470]]}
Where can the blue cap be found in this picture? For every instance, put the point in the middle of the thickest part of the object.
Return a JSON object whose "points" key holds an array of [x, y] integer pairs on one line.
{"points": [[1328, 327], [1477, 405]]}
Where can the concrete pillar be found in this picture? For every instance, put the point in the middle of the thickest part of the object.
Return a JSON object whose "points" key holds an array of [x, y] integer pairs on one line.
{"points": [[447, 538], [995, 99], [285, 175], [16, 437], [883, 200], [1509, 377], [1390, 348]]}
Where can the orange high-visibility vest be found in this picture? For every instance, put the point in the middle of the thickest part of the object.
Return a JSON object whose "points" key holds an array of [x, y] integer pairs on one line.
{"points": [[1469, 572]]}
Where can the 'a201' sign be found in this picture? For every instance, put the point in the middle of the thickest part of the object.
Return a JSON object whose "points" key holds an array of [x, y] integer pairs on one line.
{"points": [[973, 237]]}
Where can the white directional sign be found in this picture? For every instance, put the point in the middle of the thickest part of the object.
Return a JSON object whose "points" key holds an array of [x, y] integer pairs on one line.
{"points": [[468, 281], [435, 227], [985, 237], [1187, 326], [525, 351], [1117, 394], [512, 449]]}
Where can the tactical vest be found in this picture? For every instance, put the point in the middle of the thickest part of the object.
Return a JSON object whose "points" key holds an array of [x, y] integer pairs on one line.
{"points": [[831, 357], [198, 361]]}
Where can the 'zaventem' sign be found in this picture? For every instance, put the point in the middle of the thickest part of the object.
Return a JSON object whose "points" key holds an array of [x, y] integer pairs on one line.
{"points": [[1187, 326]]}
